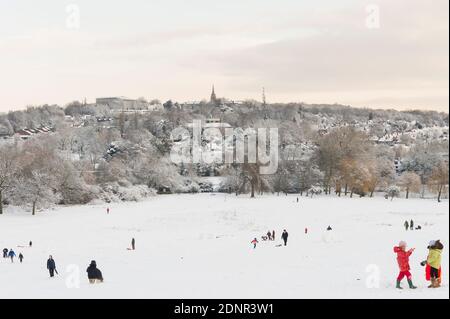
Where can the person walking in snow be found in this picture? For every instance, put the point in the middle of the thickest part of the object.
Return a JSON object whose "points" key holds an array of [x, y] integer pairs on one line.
{"points": [[94, 274], [30, 244], [133, 243], [5, 252], [306, 230], [403, 264], [107, 210], [273, 235], [411, 225], [434, 261], [284, 236], [51, 266], [269, 235], [11, 255], [20, 257], [406, 225], [254, 242]]}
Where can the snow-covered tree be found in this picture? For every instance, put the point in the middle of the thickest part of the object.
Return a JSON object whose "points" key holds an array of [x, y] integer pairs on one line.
{"points": [[35, 191], [393, 191], [8, 171], [409, 182], [439, 179]]}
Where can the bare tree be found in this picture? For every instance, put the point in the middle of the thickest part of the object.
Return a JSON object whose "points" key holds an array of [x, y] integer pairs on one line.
{"points": [[8, 170], [409, 182], [439, 179]]}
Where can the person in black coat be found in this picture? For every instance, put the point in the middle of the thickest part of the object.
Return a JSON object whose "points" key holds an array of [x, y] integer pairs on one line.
{"points": [[94, 274], [284, 236], [5, 252], [51, 266], [133, 244], [20, 257]]}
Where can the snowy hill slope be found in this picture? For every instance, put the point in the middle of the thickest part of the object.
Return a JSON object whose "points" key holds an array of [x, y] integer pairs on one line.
{"points": [[198, 246]]}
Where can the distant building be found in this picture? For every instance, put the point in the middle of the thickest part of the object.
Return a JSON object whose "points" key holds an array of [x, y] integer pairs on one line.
{"points": [[398, 166], [26, 133], [211, 123], [213, 99], [4, 134], [216, 123], [122, 103]]}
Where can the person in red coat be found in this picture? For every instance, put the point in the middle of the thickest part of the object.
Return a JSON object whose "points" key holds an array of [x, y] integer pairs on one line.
{"points": [[254, 242], [403, 264]]}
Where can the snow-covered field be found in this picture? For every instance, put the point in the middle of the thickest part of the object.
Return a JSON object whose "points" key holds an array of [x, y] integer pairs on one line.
{"points": [[198, 246]]}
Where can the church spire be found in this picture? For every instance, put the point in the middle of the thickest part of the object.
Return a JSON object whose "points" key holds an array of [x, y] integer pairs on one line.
{"points": [[213, 96]]}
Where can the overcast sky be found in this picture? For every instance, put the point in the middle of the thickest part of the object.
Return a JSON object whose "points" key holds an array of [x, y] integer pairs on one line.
{"points": [[317, 51]]}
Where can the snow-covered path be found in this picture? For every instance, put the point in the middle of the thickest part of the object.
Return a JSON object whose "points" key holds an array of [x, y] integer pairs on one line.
{"points": [[198, 246]]}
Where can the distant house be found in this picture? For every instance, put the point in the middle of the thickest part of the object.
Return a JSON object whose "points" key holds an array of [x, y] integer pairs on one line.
{"points": [[164, 190], [398, 166], [4, 134], [26, 133], [215, 123]]}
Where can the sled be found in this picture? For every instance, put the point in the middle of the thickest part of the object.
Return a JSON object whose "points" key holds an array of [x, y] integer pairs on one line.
{"points": [[428, 276]]}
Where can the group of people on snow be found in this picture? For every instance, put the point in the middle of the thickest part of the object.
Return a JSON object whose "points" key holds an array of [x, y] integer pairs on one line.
{"points": [[432, 263], [93, 273], [271, 236], [410, 225], [10, 253]]}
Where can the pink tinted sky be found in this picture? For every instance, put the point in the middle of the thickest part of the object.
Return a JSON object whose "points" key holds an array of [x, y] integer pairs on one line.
{"points": [[312, 51]]}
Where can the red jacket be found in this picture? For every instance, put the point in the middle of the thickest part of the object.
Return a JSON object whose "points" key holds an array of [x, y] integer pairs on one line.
{"points": [[403, 258]]}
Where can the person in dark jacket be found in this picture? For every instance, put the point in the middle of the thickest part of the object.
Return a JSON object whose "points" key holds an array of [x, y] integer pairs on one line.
{"points": [[5, 252], [11, 255], [269, 235], [20, 257], [51, 266], [133, 244], [94, 274], [31, 243], [273, 235], [406, 225], [411, 225], [284, 236]]}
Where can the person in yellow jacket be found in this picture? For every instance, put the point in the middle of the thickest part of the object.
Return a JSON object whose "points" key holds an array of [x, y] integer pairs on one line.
{"points": [[434, 261]]}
